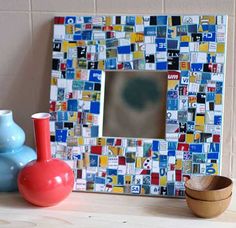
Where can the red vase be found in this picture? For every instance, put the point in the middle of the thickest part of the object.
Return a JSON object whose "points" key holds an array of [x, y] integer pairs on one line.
{"points": [[45, 181]]}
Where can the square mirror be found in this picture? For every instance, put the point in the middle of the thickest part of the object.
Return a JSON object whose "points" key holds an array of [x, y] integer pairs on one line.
{"points": [[134, 102]]}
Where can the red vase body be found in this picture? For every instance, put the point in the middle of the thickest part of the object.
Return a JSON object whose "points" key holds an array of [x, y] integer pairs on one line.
{"points": [[45, 181]]}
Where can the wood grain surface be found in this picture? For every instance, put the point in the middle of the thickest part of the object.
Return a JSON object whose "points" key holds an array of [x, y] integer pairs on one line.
{"points": [[102, 210]]}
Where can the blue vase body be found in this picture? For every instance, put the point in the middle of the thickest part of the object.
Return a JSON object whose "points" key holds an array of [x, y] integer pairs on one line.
{"points": [[13, 154]]}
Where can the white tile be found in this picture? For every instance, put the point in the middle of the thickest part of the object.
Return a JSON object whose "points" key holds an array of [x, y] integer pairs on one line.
{"points": [[17, 94], [79, 6], [42, 55], [129, 6], [200, 7], [14, 5], [15, 43]]}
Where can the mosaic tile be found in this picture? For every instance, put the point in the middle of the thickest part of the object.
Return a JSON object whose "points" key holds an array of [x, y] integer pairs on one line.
{"points": [[191, 49]]}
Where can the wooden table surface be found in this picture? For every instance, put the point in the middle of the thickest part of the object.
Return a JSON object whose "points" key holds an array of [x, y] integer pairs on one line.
{"points": [[103, 210]]}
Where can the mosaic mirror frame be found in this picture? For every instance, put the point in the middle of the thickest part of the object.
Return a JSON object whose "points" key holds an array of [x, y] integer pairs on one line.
{"points": [[191, 49]]}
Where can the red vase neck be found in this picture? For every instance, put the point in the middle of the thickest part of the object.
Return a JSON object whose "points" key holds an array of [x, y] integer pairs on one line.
{"points": [[42, 136]]}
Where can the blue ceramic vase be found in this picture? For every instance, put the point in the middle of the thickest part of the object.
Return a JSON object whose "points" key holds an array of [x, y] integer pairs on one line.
{"points": [[14, 155]]}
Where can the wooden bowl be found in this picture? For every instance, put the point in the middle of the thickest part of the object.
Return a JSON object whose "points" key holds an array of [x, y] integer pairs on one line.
{"points": [[209, 188], [207, 209]]}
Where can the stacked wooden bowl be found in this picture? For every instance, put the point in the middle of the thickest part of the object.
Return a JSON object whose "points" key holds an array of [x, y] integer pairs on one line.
{"points": [[208, 196]]}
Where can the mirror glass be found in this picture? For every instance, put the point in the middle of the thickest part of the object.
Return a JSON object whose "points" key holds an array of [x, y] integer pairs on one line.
{"points": [[135, 104]]}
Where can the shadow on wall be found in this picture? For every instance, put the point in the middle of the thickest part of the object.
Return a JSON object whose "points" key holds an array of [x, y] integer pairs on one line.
{"points": [[29, 91]]}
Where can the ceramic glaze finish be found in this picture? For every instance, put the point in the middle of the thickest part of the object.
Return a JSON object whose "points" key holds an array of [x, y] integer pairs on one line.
{"points": [[13, 154], [11, 135], [45, 181], [10, 165]]}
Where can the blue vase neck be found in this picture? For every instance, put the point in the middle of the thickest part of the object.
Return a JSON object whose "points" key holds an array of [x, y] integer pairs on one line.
{"points": [[6, 117]]}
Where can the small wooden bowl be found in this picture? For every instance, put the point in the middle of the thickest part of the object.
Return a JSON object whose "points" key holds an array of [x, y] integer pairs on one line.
{"points": [[209, 188], [207, 209]]}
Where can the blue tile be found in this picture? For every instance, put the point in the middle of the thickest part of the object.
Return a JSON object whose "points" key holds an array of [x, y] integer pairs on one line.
{"points": [[195, 148], [72, 105], [61, 135], [124, 49], [95, 107], [95, 75]]}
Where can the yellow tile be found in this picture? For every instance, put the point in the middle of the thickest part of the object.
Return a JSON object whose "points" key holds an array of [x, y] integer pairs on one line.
{"points": [[172, 84], [138, 55], [213, 169], [72, 116], [163, 180], [114, 180], [203, 47], [71, 133], [115, 150], [117, 28], [103, 161], [86, 96], [81, 141], [108, 21], [185, 38], [212, 20], [189, 138], [218, 99], [53, 81], [209, 19], [138, 162], [96, 96], [192, 79], [200, 29], [200, 120], [139, 20], [101, 141], [71, 45], [136, 37], [127, 179], [101, 65], [178, 164], [118, 189], [199, 128], [220, 48], [64, 46], [69, 29]]}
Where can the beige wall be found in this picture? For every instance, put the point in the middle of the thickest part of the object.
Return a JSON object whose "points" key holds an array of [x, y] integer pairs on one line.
{"points": [[25, 53]]}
